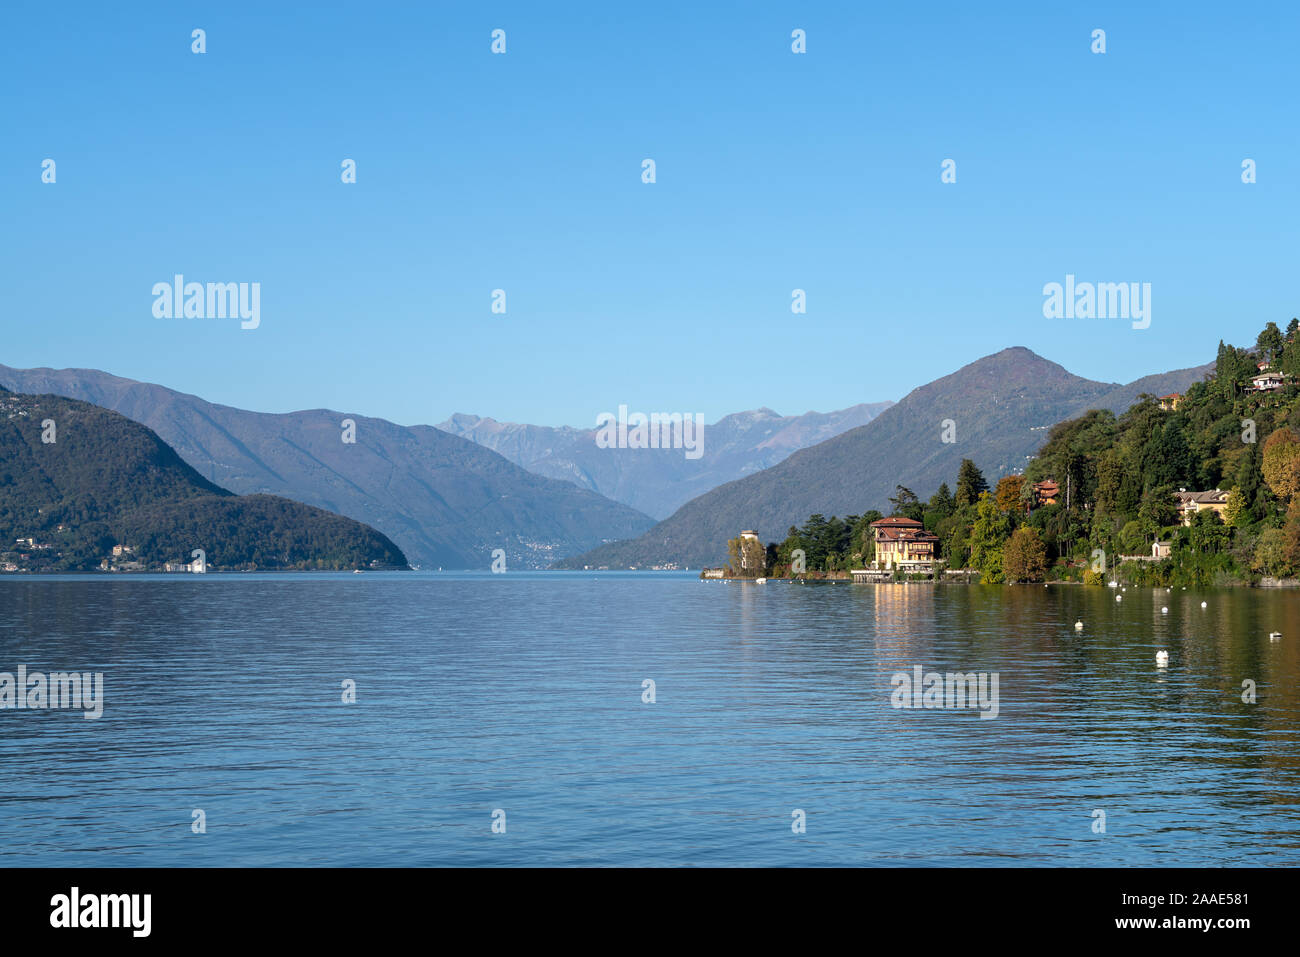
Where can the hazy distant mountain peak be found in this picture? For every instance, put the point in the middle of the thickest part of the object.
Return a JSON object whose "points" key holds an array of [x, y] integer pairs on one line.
{"points": [[657, 481]]}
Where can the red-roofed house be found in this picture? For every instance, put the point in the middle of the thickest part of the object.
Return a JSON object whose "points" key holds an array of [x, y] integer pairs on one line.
{"points": [[1046, 492], [903, 543]]}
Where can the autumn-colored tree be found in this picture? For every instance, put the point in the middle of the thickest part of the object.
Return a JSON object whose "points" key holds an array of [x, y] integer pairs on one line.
{"points": [[1007, 493], [1291, 534], [748, 558], [1024, 557], [1237, 512], [1270, 552], [1281, 463]]}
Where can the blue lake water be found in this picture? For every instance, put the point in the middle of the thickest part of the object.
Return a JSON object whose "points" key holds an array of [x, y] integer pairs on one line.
{"points": [[523, 692]]}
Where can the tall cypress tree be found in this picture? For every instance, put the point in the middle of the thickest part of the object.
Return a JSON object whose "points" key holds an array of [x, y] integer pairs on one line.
{"points": [[970, 482]]}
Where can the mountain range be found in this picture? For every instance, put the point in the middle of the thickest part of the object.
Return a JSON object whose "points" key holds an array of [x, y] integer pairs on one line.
{"points": [[77, 480], [997, 411], [659, 481], [446, 501], [449, 501]]}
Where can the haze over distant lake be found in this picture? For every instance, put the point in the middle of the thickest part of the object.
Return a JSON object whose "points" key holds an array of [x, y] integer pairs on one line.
{"points": [[523, 692]]}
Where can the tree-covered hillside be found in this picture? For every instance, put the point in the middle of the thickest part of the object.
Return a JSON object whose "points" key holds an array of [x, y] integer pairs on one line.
{"points": [[77, 480], [1212, 475], [1224, 433]]}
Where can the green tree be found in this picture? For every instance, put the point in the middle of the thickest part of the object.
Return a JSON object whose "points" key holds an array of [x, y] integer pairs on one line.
{"points": [[1159, 509], [1270, 343], [1132, 538], [1110, 479], [1167, 459], [1237, 512], [1290, 365], [864, 538], [1232, 368], [941, 504], [1207, 534], [987, 537], [970, 483], [904, 502]]}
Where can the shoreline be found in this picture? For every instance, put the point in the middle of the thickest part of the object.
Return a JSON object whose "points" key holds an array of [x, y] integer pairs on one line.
{"points": [[1266, 582]]}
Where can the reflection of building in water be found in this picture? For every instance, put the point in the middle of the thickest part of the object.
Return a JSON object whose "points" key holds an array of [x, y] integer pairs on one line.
{"points": [[902, 611]]}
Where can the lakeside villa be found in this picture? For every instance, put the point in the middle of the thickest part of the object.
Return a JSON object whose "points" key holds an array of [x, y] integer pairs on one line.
{"points": [[902, 545]]}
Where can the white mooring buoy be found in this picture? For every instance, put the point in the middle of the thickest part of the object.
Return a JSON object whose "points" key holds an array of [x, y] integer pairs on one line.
{"points": [[1162, 658], [1078, 625], [1202, 604], [1164, 611]]}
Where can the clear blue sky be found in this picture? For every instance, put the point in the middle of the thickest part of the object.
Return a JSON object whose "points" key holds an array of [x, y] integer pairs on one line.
{"points": [[523, 172]]}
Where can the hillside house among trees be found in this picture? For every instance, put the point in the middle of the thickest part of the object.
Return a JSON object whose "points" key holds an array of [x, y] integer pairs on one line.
{"points": [[1267, 382], [1189, 503], [1046, 492]]}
